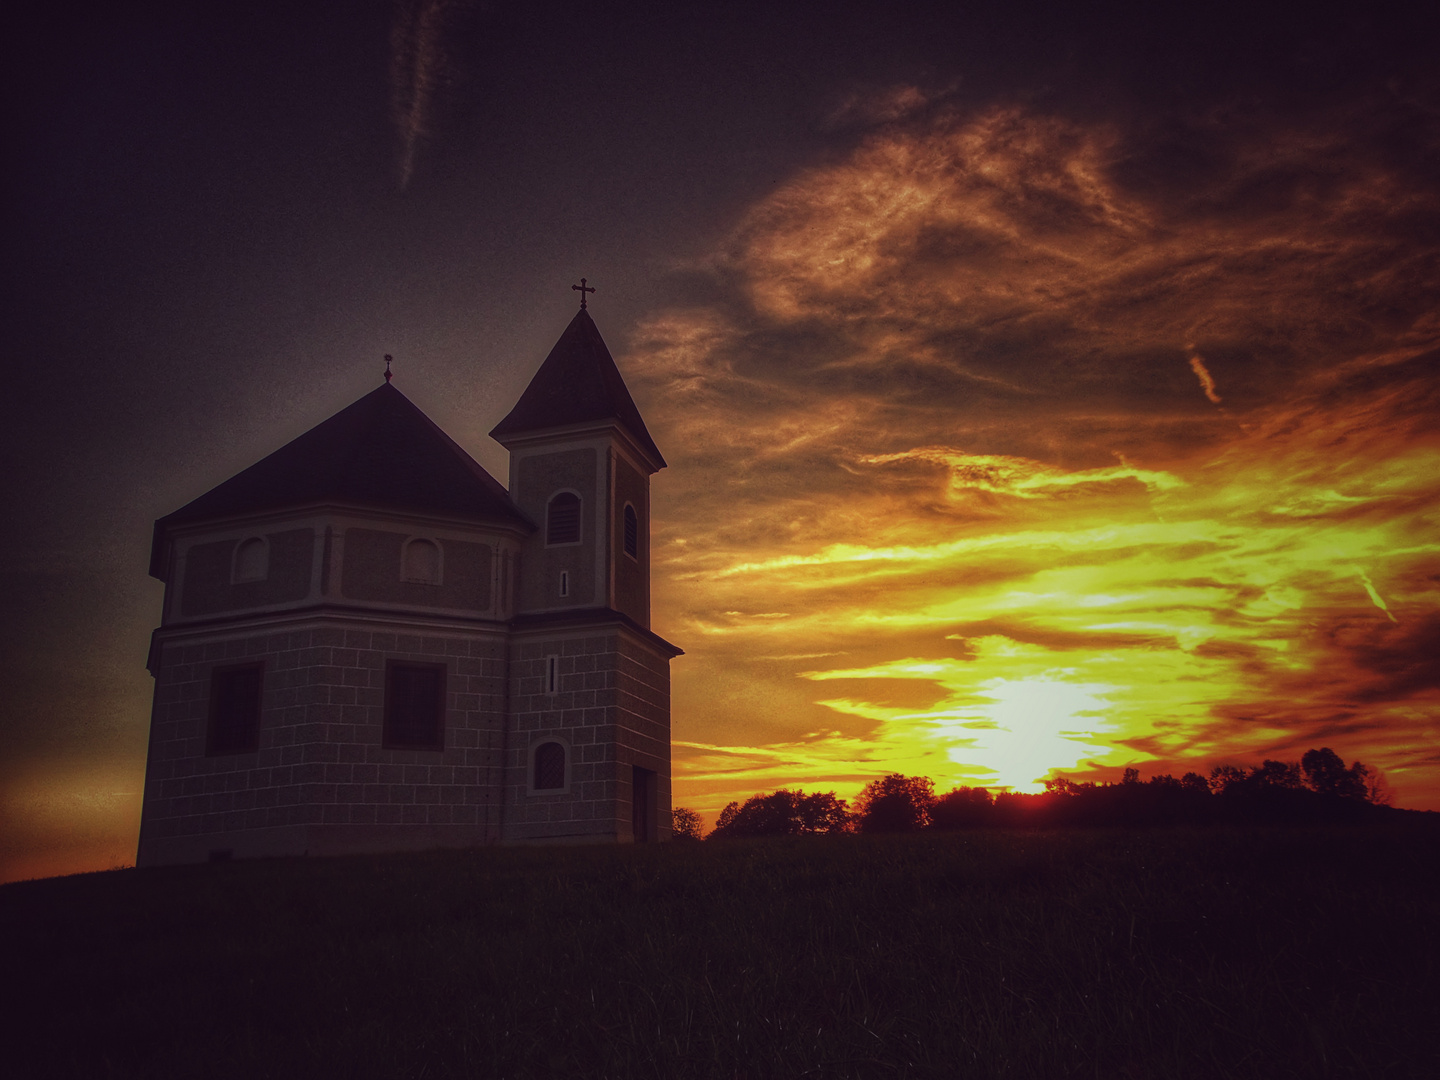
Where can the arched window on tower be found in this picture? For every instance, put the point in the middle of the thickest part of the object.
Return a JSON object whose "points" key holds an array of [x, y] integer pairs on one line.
{"points": [[549, 773], [632, 532], [252, 560], [562, 521], [422, 562]]}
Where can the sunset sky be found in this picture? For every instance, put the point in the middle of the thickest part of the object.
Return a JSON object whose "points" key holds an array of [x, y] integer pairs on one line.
{"points": [[1042, 392]]}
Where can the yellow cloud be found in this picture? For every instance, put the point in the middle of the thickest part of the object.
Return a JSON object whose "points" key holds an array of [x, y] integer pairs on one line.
{"points": [[954, 439]]}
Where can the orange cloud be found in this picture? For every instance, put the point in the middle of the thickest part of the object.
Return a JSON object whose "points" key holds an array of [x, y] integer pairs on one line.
{"points": [[1207, 382], [936, 438]]}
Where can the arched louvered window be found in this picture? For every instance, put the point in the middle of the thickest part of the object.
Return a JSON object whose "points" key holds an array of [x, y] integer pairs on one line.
{"points": [[549, 767], [562, 522], [632, 532], [422, 562], [252, 560]]}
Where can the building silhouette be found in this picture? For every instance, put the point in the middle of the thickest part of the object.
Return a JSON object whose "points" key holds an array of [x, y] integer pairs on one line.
{"points": [[369, 644]]}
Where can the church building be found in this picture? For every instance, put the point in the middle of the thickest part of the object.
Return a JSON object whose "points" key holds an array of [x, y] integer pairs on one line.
{"points": [[369, 644]]}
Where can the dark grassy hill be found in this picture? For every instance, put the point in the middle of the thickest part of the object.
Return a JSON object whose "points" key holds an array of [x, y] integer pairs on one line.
{"points": [[1257, 953]]}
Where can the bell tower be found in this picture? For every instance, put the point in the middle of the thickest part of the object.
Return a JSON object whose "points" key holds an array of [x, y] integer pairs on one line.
{"points": [[580, 466], [587, 673]]}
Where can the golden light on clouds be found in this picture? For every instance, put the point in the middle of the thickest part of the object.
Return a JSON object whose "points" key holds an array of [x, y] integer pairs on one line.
{"points": [[1003, 730], [1207, 382], [55, 823], [947, 500]]}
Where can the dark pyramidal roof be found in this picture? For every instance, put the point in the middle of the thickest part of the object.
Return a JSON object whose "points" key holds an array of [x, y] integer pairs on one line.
{"points": [[381, 451], [578, 384]]}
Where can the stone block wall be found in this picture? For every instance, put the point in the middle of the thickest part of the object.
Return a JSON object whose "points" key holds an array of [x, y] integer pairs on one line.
{"points": [[631, 575], [642, 722], [208, 588], [611, 711], [579, 715], [535, 479], [321, 780], [372, 572]]}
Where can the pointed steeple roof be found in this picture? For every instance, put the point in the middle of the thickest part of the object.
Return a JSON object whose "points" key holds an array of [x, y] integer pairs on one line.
{"points": [[381, 451], [578, 384]]}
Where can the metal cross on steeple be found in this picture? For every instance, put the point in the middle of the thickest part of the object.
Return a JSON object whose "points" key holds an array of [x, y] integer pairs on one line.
{"points": [[582, 290]]}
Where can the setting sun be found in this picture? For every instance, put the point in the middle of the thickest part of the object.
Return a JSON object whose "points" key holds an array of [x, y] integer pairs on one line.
{"points": [[1111, 549], [1041, 395]]}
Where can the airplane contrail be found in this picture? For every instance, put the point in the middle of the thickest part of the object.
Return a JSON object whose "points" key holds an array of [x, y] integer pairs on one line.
{"points": [[1207, 383], [1375, 594], [417, 64]]}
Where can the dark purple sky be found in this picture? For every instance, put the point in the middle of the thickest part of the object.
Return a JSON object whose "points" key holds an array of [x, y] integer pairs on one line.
{"points": [[211, 247]]}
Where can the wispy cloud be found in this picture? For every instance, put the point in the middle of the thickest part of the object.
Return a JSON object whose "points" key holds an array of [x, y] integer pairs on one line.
{"points": [[945, 420], [418, 69], [1207, 381]]}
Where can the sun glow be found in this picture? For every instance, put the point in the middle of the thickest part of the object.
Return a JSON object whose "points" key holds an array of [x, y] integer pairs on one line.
{"points": [[1009, 732], [1007, 535]]}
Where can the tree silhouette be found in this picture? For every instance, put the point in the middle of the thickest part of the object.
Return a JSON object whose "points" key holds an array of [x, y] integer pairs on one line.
{"points": [[1279, 775], [1326, 774], [1377, 788], [822, 812], [784, 813], [960, 808], [1318, 788], [895, 803], [1225, 777], [685, 824]]}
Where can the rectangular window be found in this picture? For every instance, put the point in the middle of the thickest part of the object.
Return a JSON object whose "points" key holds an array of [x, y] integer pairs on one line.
{"points": [[234, 726], [414, 706], [564, 583], [552, 674], [549, 772]]}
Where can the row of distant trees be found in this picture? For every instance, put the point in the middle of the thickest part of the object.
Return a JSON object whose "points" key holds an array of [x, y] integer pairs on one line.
{"points": [[1320, 787]]}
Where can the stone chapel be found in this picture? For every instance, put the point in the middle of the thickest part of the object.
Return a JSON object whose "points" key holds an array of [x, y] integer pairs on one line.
{"points": [[369, 644]]}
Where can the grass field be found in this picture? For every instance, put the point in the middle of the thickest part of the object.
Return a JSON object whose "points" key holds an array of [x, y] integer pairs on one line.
{"points": [[1248, 953]]}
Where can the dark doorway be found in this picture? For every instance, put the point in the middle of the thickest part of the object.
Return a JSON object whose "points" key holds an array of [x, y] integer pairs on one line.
{"points": [[642, 804]]}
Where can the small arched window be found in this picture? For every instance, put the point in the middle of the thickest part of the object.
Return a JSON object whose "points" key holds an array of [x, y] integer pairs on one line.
{"points": [[632, 532], [549, 767], [252, 560], [562, 522], [422, 562]]}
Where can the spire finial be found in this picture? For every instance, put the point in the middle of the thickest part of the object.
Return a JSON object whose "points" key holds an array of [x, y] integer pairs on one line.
{"points": [[387, 367], [582, 289]]}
